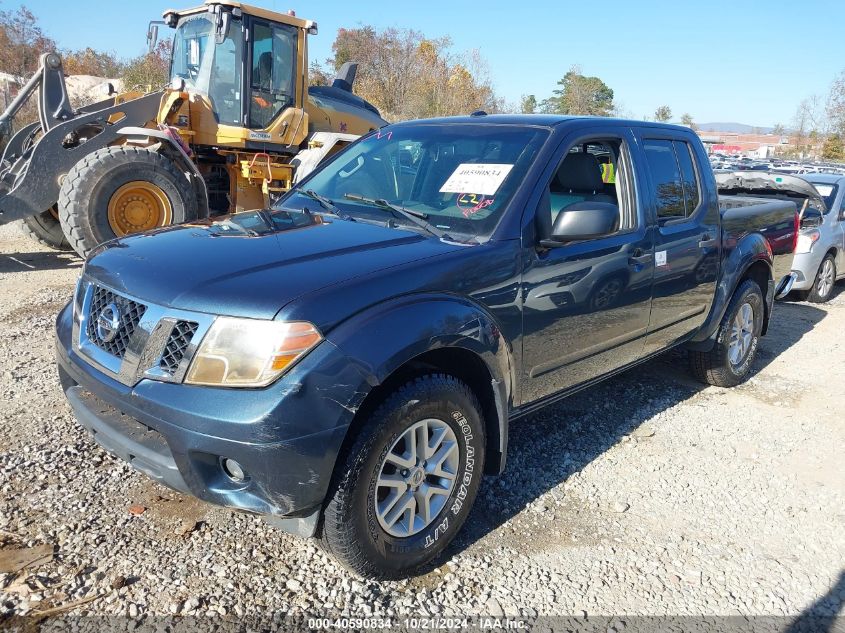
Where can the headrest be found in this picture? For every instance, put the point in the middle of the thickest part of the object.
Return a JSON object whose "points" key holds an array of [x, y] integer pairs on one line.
{"points": [[580, 172]]}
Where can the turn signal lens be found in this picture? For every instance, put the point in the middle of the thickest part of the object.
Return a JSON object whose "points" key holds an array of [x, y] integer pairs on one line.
{"points": [[249, 352]]}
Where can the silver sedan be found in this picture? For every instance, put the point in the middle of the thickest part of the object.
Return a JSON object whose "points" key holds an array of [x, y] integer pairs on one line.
{"points": [[820, 254]]}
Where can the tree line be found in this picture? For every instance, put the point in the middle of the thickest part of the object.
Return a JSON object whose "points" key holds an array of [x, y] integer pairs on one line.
{"points": [[23, 41], [819, 121]]}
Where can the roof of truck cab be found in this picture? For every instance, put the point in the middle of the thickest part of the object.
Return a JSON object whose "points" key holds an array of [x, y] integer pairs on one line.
{"points": [[273, 16], [544, 120]]}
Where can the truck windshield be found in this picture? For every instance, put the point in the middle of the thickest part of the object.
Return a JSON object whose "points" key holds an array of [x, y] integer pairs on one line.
{"points": [[210, 68], [458, 177]]}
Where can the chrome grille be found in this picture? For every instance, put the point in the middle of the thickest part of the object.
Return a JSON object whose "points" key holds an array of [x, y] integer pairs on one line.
{"points": [[177, 344], [130, 315]]}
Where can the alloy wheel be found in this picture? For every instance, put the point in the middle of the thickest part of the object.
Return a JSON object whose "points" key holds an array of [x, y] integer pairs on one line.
{"points": [[416, 478], [742, 334], [826, 280]]}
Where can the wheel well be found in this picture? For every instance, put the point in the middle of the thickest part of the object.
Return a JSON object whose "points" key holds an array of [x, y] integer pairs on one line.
{"points": [[454, 361], [759, 272]]}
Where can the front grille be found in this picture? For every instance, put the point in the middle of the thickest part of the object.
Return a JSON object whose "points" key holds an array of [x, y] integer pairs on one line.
{"points": [[177, 345], [129, 315]]}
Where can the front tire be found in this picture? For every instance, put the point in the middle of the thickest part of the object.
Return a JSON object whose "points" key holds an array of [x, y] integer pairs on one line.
{"points": [[46, 229], [729, 362], [120, 190], [824, 282], [403, 489]]}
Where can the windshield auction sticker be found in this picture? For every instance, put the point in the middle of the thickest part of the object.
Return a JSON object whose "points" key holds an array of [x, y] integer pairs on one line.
{"points": [[480, 178]]}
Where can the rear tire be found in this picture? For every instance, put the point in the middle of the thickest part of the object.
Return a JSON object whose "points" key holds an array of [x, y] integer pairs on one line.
{"points": [[824, 282], [729, 362], [46, 229], [86, 205], [360, 526]]}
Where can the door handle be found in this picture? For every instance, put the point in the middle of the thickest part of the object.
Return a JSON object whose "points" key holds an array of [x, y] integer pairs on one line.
{"points": [[639, 256], [707, 241]]}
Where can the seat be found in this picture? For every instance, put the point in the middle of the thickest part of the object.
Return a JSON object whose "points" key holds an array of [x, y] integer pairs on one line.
{"points": [[265, 70], [578, 179], [262, 106]]}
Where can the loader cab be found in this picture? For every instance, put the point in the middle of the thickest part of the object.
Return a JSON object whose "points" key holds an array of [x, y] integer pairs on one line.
{"points": [[245, 60]]}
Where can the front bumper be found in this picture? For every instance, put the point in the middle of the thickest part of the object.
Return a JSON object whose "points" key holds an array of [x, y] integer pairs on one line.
{"points": [[286, 436], [805, 266]]}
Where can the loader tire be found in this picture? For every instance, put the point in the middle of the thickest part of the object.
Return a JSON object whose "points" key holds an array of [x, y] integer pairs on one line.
{"points": [[120, 190], [46, 229]]}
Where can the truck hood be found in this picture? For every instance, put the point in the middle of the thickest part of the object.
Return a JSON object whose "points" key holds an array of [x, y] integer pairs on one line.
{"points": [[252, 264], [764, 183]]}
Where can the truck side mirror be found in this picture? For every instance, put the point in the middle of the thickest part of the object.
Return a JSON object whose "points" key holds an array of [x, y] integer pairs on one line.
{"points": [[583, 220]]}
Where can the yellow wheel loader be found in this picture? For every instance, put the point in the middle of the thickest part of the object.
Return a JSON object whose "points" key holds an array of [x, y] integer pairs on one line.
{"points": [[236, 128]]}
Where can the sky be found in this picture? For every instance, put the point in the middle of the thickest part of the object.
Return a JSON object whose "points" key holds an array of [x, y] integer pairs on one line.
{"points": [[741, 61]]}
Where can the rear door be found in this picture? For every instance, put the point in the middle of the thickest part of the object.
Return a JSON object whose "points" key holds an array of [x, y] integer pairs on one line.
{"points": [[586, 303], [685, 207]]}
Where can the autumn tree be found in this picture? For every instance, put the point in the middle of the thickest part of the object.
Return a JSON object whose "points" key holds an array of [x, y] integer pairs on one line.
{"points": [[22, 42], [686, 119], [88, 61], [834, 148], [407, 75], [149, 71], [835, 106], [528, 104], [318, 75], [663, 113], [580, 94], [778, 129]]}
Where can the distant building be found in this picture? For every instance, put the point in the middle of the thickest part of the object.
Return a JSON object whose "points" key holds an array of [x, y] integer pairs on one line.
{"points": [[756, 145]]}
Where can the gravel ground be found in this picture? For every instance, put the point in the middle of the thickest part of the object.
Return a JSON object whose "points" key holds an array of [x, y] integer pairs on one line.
{"points": [[648, 495]]}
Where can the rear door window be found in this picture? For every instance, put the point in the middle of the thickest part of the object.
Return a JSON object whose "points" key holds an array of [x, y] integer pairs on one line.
{"points": [[692, 195], [666, 178], [673, 173]]}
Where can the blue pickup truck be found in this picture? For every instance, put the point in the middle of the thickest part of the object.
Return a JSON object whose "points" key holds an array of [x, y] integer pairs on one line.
{"points": [[347, 364]]}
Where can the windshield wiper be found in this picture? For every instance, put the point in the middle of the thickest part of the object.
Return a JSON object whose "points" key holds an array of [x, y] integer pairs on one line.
{"points": [[413, 216], [327, 204]]}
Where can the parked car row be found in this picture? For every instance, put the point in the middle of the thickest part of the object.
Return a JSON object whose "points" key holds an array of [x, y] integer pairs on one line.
{"points": [[722, 162], [348, 363]]}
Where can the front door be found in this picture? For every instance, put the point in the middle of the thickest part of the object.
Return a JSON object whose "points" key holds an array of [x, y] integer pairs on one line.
{"points": [[687, 240], [586, 303]]}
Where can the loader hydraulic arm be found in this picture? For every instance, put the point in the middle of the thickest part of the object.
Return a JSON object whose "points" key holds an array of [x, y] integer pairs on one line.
{"points": [[53, 106]]}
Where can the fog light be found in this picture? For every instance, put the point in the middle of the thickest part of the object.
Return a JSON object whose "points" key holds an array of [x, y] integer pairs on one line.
{"points": [[233, 469]]}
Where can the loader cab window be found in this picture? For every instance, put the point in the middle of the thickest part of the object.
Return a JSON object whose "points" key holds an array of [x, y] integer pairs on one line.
{"points": [[210, 68], [273, 71]]}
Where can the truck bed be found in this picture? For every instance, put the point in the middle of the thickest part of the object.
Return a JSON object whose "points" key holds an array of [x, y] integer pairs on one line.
{"points": [[776, 219]]}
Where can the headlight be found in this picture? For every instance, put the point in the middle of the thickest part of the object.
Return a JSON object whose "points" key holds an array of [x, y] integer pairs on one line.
{"points": [[806, 241], [249, 352]]}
